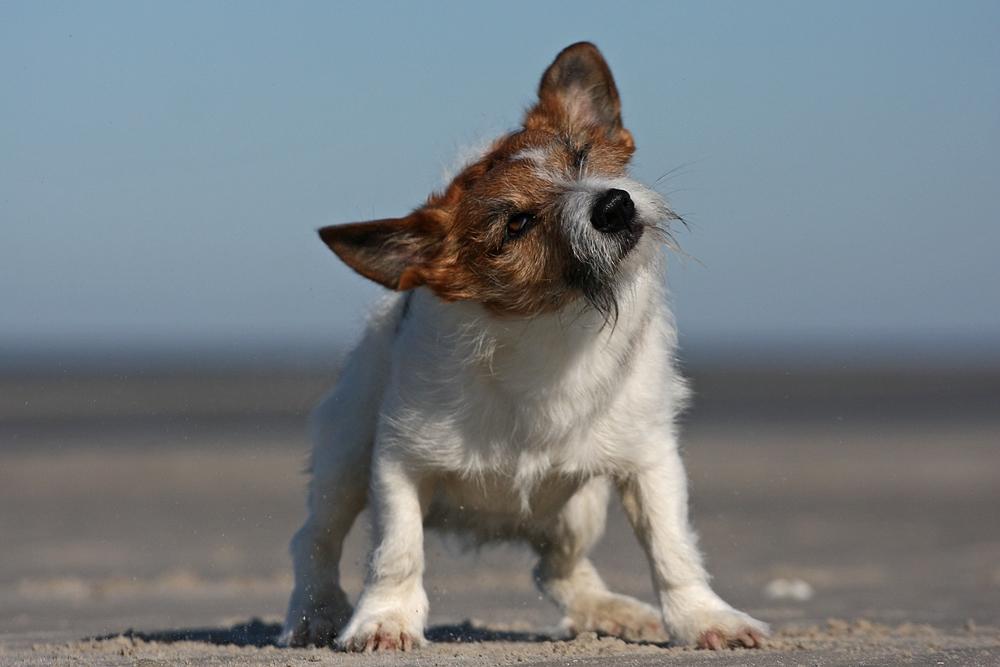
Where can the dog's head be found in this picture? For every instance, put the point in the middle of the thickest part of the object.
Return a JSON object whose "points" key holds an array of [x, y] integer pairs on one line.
{"points": [[545, 217]]}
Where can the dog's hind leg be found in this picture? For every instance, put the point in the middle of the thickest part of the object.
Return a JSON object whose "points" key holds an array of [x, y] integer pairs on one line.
{"points": [[344, 433], [566, 576], [319, 607]]}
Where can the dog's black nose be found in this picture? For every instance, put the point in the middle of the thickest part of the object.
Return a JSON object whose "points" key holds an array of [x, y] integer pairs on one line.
{"points": [[613, 212]]}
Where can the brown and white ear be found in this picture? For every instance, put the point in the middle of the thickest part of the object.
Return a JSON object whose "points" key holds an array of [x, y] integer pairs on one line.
{"points": [[391, 252], [577, 91]]}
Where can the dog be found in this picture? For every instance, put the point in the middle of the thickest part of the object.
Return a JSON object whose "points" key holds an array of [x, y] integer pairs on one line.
{"points": [[521, 371]]}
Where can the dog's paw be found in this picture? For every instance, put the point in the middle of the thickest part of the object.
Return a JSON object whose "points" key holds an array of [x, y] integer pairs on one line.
{"points": [[723, 628], [318, 626], [615, 615], [388, 631]]}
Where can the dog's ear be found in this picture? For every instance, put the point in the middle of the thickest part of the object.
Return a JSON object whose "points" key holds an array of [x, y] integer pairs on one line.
{"points": [[577, 92], [392, 252]]}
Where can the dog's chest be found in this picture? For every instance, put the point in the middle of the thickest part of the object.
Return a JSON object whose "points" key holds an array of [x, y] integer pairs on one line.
{"points": [[525, 400]]}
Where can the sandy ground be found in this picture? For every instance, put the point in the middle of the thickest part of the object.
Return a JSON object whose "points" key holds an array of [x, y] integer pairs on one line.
{"points": [[145, 521]]}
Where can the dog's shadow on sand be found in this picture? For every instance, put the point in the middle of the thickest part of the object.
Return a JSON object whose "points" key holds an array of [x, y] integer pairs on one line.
{"points": [[260, 634]]}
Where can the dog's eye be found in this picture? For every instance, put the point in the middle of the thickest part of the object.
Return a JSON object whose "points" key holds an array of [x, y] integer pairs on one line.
{"points": [[519, 223]]}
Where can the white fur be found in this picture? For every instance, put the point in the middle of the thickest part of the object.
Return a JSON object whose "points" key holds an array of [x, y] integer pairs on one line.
{"points": [[508, 428]]}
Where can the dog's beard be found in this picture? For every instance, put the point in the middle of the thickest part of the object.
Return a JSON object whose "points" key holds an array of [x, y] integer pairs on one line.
{"points": [[597, 260], [598, 289], [598, 280]]}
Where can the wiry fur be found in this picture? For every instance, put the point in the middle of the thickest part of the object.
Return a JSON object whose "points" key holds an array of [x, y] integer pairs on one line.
{"points": [[528, 375]]}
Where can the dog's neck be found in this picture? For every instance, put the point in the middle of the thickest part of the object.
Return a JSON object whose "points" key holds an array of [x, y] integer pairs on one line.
{"points": [[532, 354]]}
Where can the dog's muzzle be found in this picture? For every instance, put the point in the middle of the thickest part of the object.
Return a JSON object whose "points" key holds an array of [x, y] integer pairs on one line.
{"points": [[614, 212]]}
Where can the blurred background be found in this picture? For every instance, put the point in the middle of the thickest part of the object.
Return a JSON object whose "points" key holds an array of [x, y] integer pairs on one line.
{"points": [[168, 316], [165, 166]]}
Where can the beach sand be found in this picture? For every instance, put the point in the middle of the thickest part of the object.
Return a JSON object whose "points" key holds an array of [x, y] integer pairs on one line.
{"points": [[145, 520]]}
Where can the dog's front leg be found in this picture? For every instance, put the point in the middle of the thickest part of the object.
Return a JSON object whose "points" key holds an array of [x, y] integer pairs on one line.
{"points": [[655, 499], [392, 610]]}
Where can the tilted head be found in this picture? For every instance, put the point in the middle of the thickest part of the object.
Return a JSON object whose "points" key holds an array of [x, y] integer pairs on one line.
{"points": [[547, 216]]}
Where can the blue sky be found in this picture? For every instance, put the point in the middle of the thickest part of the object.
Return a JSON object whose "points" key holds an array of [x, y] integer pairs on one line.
{"points": [[164, 166]]}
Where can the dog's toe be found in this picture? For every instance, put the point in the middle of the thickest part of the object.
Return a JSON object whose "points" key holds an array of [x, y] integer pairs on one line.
{"points": [[732, 629], [391, 632], [316, 625], [616, 615], [318, 632]]}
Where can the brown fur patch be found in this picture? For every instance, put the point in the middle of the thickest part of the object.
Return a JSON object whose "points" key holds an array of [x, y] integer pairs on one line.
{"points": [[457, 243]]}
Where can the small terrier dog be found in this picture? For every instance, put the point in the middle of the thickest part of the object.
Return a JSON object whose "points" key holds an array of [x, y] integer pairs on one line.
{"points": [[524, 369]]}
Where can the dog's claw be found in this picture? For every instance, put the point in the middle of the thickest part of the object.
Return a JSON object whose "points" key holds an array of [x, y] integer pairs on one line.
{"points": [[750, 638], [712, 639], [381, 639], [716, 640]]}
